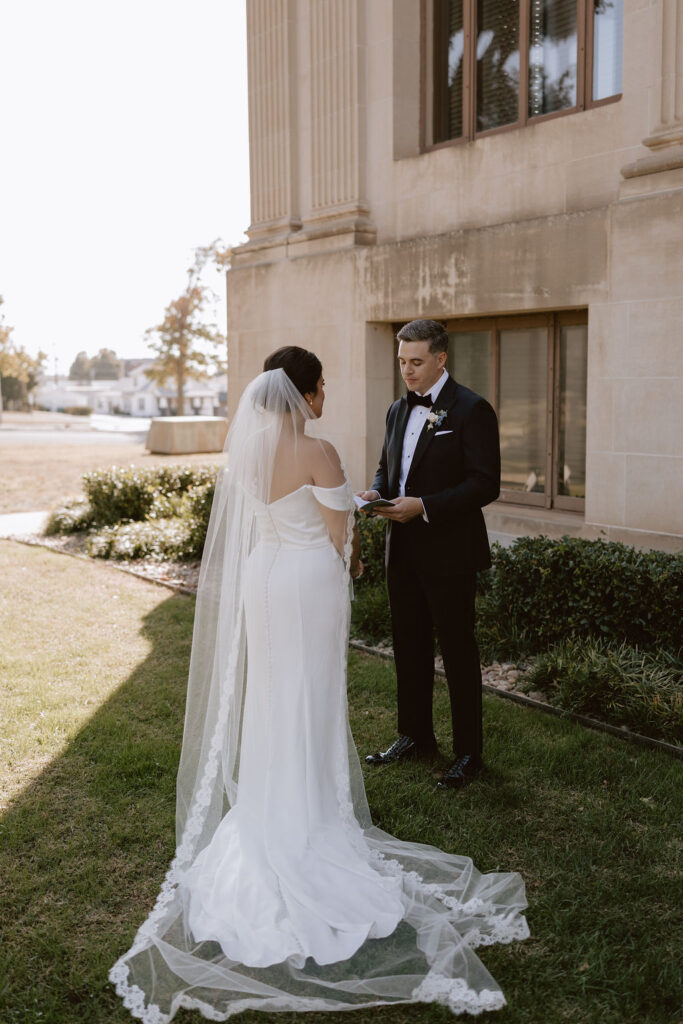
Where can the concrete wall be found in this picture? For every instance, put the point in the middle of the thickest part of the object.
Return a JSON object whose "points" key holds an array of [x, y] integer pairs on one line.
{"points": [[353, 228]]}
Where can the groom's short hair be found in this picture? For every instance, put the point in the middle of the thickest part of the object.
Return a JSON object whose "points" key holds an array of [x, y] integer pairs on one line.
{"points": [[425, 330]]}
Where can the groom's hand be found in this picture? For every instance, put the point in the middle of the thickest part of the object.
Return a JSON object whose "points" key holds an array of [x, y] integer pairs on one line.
{"points": [[402, 510]]}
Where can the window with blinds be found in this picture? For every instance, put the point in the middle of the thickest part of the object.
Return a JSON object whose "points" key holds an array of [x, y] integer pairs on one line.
{"points": [[532, 369], [498, 64]]}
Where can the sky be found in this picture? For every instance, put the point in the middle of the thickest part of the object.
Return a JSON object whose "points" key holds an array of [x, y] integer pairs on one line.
{"points": [[124, 145]]}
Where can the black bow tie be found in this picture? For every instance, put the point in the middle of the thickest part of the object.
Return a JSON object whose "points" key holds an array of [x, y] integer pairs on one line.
{"points": [[415, 399]]}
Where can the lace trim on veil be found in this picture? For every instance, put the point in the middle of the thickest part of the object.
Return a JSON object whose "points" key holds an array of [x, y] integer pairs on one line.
{"points": [[434, 988]]}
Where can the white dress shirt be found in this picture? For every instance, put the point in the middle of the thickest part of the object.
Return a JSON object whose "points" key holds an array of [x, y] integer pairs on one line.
{"points": [[416, 421]]}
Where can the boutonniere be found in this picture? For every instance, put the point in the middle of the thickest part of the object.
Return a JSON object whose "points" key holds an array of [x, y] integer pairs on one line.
{"points": [[435, 418]]}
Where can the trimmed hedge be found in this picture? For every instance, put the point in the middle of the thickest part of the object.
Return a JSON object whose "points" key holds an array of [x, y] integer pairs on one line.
{"points": [[78, 410], [541, 591], [125, 494], [161, 512], [196, 509]]}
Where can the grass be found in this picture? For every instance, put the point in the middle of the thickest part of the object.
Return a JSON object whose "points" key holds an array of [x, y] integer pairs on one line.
{"points": [[36, 476], [92, 670]]}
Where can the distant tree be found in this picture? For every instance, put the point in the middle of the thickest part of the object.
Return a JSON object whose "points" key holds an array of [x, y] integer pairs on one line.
{"points": [[16, 365], [5, 343], [13, 390], [80, 368], [184, 344], [105, 365], [27, 368]]}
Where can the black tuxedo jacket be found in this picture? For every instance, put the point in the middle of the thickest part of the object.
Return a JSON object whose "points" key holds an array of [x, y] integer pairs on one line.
{"points": [[455, 470]]}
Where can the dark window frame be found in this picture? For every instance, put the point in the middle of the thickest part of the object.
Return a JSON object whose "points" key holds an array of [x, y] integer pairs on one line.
{"points": [[553, 322], [584, 84]]}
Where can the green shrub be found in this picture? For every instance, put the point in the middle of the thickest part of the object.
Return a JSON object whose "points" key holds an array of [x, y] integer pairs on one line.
{"points": [[160, 512], [640, 689], [542, 591], [372, 531], [158, 539], [498, 640], [196, 509], [78, 410], [125, 494], [71, 517], [370, 618]]}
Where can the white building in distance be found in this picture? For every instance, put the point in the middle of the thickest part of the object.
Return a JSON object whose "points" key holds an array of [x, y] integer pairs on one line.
{"points": [[134, 394]]}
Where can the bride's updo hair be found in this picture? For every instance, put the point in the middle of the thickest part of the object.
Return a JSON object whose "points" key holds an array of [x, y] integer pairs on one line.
{"points": [[303, 368]]}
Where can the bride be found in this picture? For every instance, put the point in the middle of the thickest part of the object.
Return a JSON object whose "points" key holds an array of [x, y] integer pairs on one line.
{"points": [[281, 894]]}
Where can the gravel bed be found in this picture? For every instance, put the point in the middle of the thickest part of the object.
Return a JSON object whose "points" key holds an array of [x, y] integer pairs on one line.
{"points": [[505, 675], [179, 575]]}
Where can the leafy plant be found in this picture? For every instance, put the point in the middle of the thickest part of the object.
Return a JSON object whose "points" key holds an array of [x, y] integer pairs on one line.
{"points": [[640, 689], [372, 531], [370, 618]]}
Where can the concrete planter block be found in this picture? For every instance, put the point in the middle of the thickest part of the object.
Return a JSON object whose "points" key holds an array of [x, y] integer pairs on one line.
{"points": [[184, 435]]}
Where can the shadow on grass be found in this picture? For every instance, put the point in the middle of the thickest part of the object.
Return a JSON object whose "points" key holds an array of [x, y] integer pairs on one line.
{"points": [[84, 848]]}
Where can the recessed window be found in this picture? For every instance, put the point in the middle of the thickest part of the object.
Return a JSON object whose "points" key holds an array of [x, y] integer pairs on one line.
{"points": [[532, 369], [496, 64]]}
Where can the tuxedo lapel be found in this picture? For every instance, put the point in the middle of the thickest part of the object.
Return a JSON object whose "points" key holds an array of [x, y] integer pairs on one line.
{"points": [[445, 400], [396, 446]]}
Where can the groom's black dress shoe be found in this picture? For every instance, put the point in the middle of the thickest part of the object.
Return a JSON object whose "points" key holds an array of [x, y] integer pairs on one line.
{"points": [[402, 749], [460, 773]]}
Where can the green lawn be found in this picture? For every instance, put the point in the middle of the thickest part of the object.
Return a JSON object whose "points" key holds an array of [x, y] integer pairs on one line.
{"points": [[92, 673]]}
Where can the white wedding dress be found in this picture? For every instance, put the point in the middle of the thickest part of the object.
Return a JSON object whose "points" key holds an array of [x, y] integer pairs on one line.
{"points": [[296, 902]]}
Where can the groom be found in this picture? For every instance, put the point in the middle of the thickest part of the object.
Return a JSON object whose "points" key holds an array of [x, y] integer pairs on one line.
{"points": [[440, 464]]}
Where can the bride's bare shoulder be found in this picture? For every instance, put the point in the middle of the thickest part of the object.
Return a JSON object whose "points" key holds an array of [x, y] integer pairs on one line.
{"points": [[326, 466]]}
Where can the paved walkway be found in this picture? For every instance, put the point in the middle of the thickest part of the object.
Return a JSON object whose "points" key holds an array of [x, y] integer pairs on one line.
{"points": [[19, 524], [82, 424]]}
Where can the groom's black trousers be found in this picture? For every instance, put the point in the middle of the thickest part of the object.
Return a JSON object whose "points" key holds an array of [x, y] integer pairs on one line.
{"points": [[425, 600]]}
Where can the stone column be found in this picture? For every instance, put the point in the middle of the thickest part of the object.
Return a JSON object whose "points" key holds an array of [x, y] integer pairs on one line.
{"points": [[635, 372], [271, 46], [337, 107], [666, 141]]}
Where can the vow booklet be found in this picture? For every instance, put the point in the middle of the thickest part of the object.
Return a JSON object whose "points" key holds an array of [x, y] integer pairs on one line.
{"points": [[367, 506]]}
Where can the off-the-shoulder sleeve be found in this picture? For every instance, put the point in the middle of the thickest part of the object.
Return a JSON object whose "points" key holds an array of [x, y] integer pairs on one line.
{"points": [[338, 498]]}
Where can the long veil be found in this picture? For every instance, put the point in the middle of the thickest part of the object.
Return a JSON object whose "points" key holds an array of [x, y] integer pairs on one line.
{"points": [[448, 907]]}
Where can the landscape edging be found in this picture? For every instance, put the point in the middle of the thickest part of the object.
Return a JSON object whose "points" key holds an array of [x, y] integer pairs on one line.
{"points": [[521, 698]]}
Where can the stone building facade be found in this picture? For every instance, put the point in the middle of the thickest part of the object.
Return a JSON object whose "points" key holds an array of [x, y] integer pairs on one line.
{"points": [[513, 168]]}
